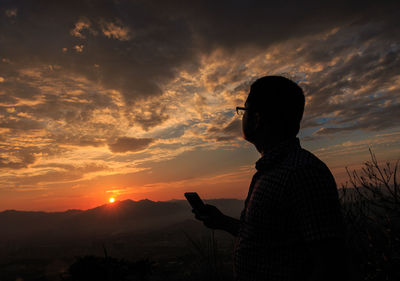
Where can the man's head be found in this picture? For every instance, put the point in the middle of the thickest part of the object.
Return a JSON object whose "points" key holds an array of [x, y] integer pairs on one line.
{"points": [[274, 109]]}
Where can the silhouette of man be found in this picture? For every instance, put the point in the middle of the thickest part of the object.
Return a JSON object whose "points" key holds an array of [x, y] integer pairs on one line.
{"points": [[291, 227]]}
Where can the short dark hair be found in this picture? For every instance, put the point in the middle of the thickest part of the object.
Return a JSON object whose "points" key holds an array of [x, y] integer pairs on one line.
{"points": [[280, 100]]}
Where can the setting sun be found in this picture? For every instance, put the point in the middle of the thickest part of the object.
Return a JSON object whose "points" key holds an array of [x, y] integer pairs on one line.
{"points": [[111, 200]]}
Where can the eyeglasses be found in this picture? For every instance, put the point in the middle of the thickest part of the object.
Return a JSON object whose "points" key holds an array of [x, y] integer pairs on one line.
{"points": [[240, 110]]}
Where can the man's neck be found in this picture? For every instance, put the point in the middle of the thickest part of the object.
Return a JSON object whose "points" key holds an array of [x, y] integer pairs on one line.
{"points": [[269, 145]]}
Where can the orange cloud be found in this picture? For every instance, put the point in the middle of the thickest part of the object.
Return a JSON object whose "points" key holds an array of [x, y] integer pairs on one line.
{"points": [[78, 48], [116, 30], [80, 26]]}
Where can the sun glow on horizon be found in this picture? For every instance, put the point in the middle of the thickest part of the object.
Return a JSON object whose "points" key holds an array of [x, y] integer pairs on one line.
{"points": [[111, 200]]}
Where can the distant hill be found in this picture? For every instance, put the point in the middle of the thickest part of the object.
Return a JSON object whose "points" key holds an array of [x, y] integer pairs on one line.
{"points": [[111, 219]]}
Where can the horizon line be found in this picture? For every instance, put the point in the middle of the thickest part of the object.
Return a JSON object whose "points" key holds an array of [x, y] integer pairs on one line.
{"points": [[110, 204]]}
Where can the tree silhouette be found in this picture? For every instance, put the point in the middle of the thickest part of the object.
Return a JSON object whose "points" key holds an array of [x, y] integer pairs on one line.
{"points": [[371, 208]]}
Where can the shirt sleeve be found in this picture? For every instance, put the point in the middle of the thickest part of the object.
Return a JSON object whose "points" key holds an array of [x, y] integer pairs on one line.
{"points": [[315, 204]]}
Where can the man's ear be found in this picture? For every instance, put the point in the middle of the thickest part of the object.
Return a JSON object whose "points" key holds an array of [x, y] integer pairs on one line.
{"points": [[257, 120]]}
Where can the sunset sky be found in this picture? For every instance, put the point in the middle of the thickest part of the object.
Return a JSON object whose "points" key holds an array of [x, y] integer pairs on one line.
{"points": [[136, 99]]}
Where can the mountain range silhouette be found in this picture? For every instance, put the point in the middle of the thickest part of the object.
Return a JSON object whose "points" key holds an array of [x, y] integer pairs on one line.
{"points": [[110, 219]]}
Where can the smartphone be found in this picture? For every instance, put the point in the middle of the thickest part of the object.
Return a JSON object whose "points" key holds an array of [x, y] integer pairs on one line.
{"points": [[194, 200]]}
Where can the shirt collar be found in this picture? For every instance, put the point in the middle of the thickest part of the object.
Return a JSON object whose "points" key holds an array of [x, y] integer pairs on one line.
{"points": [[275, 153]]}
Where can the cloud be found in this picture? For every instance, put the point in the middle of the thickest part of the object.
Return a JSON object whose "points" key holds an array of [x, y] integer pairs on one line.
{"points": [[168, 36], [116, 30], [148, 114], [11, 13], [80, 26], [169, 74], [22, 124], [355, 89], [17, 89], [54, 172], [78, 48], [17, 160], [226, 132], [126, 144], [329, 131], [359, 147], [78, 139]]}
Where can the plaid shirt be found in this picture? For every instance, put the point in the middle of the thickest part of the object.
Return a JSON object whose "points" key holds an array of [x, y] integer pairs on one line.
{"points": [[292, 201]]}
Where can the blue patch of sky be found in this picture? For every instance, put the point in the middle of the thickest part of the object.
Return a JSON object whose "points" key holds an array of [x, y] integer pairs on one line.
{"points": [[321, 120], [339, 138], [378, 98], [229, 113], [376, 95], [394, 47], [307, 132], [343, 125]]}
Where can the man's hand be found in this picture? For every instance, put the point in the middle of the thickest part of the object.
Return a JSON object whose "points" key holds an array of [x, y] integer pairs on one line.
{"points": [[215, 219], [210, 216]]}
